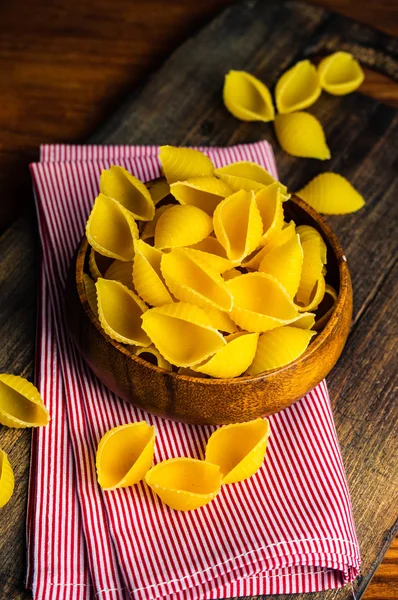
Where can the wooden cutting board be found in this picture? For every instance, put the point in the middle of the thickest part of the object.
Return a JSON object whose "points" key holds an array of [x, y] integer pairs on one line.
{"points": [[182, 104]]}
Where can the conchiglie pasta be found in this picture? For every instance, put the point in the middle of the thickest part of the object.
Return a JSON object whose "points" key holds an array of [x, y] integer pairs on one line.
{"points": [[220, 319], [340, 73], [91, 293], [325, 308], [117, 183], [204, 192], [211, 245], [301, 134], [182, 225], [125, 455], [249, 176], [20, 403], [213, 261], [297, 88], [121, 271], [316, 296], [6, 479], [331, 194], [279, 347], [158, 188], [285, 263], [239, 449], [233, 359], [314, 256], [180, 164], [147, 276], [185, 483], [247, 98], [153, 356], [173, 327], [149, 228], [93, 266], [271, 242], [269, 204]]}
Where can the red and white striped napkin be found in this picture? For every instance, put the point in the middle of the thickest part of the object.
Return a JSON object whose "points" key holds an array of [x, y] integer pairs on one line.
{"points": [[287, 529]]}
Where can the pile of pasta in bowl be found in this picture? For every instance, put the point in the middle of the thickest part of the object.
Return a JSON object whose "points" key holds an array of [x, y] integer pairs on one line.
{"points": [[198, 272]]}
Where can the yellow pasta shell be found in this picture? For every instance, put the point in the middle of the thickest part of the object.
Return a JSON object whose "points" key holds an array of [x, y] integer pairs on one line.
{"points": [[180, 164], [301, 134], [92, 264], [316, 296], [153, 356], [273, 241], [204, 192], [182, 225], [326, 308], [20, 403], [220, 319], [233, 359], [314, 255], [239, 449], [238, 225], [248, 170], [247, 98], [149, 228], [111, 229], [147, 276], [297, 88], [120, 311], [211, 245], [192, 279], [269, 203], [340, 73], [260, 302], [182, 333], [307, 234], [279, 347], [285, 263], [6, 479], [125, 455], [121, 271], [213, 261], [91, 293], [185, 483], [331, 194], [305, 320], [158, 188], [117, 183], [237, 184]]}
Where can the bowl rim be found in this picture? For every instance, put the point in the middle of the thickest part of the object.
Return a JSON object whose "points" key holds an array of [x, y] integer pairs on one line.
{"points": [[344, 284]]}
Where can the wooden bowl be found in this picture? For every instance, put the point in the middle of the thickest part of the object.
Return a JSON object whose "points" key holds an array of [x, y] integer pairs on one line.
{"points": [[213, 401]]}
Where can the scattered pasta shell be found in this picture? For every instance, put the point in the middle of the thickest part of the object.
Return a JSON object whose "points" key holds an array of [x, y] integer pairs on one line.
{"points": [[120, 311], [314, 255], [125, 455], [180, 164], [182, 225], [6, 479], [185, 483], [247, 98], [238, 225], [325, 308], [260, 302], [269, 203], [211, 245], [149, 228], [253, 261], [121, 271], [301, 134], [117, 183], [331, 194], [111, 229], [239, 449], [340, 73], [220, 319], [20, 403], [204, 192], [191, 279], [279, 347], [91, 293], [182, 332], [147, 276], [233, 359], [153, 356], [285, 263], [158, 188], [297, 88]]}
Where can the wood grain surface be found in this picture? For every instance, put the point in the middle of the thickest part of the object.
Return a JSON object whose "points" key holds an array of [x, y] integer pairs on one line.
{"points": [[66, 67]]}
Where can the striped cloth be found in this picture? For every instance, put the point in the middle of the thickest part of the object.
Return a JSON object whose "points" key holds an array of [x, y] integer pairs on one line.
{"points": [[287, 529]]}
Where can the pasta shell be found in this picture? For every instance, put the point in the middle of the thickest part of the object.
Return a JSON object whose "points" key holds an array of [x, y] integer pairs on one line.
{"points": [[180, 164], [285, 263], [236, 184], [94, 261], [305, 320], [185, 483], [183, 333], [233, 359], [158, 188], [331, 194], [125, 455], [204, 192], [121, 271], [279, 347], [247, 98], [297, 88], [20, 403], [211, 245], [220, 319], [260, 302], [147, 276], [91, 293], [269, 203], [307, 234], [214, 262], [111, 229], [245, 169], [237, 225], [182, 225], [239, 449], [282, 237], [340, 73], [316, 296], [149, 228], [6, 479], [301, 134], [191, 279], [117, 183], [153, 356], [120, 311], [314, 251], [326, 308], [231, 274]]}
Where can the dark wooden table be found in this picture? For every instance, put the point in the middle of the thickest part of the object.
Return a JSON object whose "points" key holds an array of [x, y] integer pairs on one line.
{"points": [[65, 67]]}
